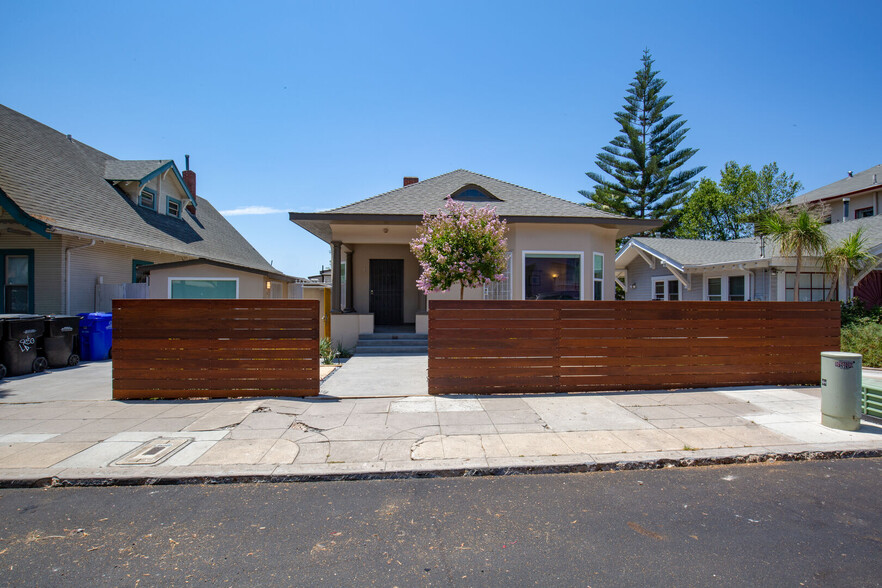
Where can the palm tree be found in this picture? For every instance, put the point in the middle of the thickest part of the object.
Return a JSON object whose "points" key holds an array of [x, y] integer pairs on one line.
{"points": [[797, 233], [852, 257]]}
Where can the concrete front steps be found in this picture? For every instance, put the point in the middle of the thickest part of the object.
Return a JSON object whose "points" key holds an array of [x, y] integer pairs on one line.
{"points": [[392, 344]]}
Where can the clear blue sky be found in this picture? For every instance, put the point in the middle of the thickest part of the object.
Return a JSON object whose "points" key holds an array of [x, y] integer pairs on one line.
{"points": [[310, 105]]}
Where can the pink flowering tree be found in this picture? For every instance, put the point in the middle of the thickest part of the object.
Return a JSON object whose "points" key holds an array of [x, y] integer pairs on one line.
{"points": [[460, 244]]}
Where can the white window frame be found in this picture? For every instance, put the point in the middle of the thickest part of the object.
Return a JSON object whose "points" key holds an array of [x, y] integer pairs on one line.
{"points": [[602, 279], [537, 253], [667, 280], [724, 285], [204, 279]]}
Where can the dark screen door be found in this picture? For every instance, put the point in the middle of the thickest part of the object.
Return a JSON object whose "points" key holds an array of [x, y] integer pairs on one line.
{"points": [[387, 291]]}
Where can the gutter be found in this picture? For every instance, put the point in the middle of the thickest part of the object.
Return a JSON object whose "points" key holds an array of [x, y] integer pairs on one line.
{"points": [[67, 272]]}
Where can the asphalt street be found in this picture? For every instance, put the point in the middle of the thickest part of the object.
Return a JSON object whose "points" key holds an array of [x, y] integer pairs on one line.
{"points": [[782, 524]]}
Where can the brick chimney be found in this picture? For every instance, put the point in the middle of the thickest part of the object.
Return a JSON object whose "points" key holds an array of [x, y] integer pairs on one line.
{"points": [[409, 180], [189, 176]]}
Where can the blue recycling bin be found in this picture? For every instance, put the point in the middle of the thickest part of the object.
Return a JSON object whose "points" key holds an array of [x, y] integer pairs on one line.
{"points": [[96, 335]]}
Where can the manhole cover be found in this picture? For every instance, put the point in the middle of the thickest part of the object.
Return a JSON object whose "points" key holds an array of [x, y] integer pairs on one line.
{"points": [[154, 451]]}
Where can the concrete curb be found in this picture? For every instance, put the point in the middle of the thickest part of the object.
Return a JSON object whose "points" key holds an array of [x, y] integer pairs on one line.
{"points": [[619, 465]]}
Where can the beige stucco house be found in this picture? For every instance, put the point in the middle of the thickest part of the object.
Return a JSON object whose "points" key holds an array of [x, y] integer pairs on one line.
{"points": [[79, 227], [557, 249]]}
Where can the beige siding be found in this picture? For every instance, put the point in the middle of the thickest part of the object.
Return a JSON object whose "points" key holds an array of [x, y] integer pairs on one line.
{"points": [[47, 267], [103, 262]]}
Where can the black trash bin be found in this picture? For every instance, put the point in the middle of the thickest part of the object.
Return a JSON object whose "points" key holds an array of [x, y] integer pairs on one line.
{"points": [[59, 340], [18, 346]]}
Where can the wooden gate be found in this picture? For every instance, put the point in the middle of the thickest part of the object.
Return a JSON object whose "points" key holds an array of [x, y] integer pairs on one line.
{"points": [[486, 347], [215, 348]]}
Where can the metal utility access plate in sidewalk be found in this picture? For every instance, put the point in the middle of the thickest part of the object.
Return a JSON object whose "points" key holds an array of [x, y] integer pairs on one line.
{"points": [[369, 376]]}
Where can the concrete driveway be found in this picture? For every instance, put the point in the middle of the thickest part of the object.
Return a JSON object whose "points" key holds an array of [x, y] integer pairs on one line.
{"points": [[376, 376]]}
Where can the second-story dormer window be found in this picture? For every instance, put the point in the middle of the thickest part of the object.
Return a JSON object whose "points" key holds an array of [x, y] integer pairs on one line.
{"points": [[173, 207], [147, 199]]}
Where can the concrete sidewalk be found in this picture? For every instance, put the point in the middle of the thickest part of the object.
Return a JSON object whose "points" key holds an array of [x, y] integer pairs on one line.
{"points": [[58, 426]]}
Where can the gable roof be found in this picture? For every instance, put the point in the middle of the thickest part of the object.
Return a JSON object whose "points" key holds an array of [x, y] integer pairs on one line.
{"points": [[512, 202], [682, 253], [869, 179], [56, 184]]}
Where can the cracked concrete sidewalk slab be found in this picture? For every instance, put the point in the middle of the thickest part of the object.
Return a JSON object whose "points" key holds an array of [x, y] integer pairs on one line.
{"points": [[226, 415]]}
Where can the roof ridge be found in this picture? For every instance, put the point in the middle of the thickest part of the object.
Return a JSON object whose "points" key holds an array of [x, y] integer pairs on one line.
{"points": [[606, 214], [393, 190]]}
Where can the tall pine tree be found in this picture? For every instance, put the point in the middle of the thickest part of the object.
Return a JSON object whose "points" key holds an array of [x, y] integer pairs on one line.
{"points": [[641, 166]]}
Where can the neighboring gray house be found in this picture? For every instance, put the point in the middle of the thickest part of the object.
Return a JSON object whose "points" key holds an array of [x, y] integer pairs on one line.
{"points": [[650, 268], [78, 227], [751, 268]]}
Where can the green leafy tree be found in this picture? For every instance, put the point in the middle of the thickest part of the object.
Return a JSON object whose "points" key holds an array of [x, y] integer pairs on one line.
{"points": [[729, 209], [798, 233], [641, 167], [851, 257], [461, 244]]}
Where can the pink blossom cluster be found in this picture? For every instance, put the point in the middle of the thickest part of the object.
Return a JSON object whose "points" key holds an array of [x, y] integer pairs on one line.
{"points": [[460, 244]]}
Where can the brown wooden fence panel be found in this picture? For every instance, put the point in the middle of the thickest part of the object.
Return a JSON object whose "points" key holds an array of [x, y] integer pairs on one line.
{"points": [[215, 348], [487, 347]]}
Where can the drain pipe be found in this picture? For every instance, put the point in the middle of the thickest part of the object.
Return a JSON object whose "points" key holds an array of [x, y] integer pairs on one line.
{"points": [[67, 270]]}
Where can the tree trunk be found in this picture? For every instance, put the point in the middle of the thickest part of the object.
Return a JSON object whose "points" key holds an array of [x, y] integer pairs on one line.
{"points": [[461, 289], [796, 278]]}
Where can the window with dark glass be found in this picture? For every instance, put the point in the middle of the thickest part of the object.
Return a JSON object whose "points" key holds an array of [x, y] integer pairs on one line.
{"points": [[147, 199], [813, 286], [715, 288], [736, 288], [863, 212], [173, 207], [549, 276]]}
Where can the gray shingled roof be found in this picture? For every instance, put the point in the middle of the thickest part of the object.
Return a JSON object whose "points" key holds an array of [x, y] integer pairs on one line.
{"points": [[429, 196], [686, 252], [860, 181], [116, 169], [61, 182], [700, 252], [871, 225]]}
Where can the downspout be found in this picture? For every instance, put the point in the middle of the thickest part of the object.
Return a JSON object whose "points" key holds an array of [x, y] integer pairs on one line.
{"points": [[67, 272]]}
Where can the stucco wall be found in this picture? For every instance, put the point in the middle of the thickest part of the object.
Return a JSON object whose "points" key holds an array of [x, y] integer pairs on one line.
{"points": [[361, 256], [250, 285], [586, 239]]}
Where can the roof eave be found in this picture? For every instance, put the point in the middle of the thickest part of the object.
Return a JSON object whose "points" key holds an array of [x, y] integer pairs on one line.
{"points": [[19, 215]]}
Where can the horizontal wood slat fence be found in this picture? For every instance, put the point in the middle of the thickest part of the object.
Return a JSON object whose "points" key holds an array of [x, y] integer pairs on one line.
{"points": [[215, 348], [487, 347]]}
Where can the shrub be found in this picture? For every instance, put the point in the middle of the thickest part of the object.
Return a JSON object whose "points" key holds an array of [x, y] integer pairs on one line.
{"points": [[461, 245], [863, 337], [854, 312], [327, 351]]}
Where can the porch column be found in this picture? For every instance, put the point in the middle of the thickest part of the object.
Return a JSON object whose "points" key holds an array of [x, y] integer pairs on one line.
{"points": [[349, 281], [335, 276]]}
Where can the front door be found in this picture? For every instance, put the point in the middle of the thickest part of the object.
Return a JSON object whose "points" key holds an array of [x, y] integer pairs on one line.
{"points": [[387, 291]]}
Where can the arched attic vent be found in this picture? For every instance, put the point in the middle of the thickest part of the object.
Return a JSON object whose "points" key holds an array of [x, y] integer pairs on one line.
{"points": [[474, 193]]}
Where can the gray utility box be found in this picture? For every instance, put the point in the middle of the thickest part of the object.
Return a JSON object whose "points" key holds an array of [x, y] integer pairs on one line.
{"points": [[841, 390]]}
